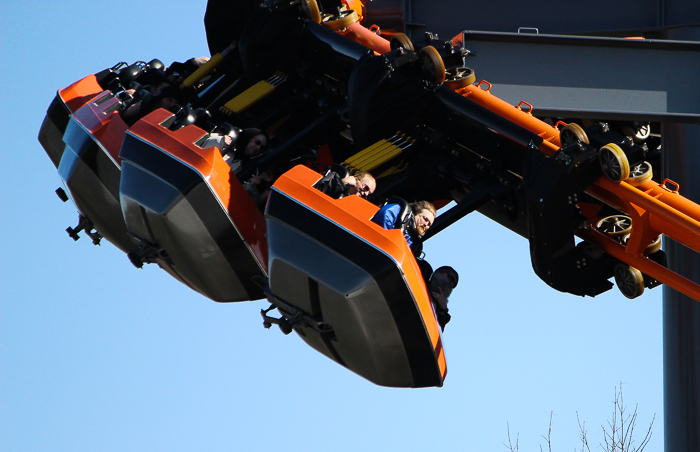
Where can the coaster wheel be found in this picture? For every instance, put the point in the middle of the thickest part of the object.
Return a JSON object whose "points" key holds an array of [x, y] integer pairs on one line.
{"points": [[345, 19], [433, 66], [615, 225], [400, 40], [640, 174], [614, 163], [639, 131], [572, 133], [592, 251], [462, 77], [310, 8], [651, 248], [629, 280], [654, 246]]}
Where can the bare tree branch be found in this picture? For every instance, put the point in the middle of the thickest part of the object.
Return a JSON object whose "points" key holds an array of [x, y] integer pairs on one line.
{"points": [[548, 438], [582, 435], [510, 443], [618, 436], [647, 437]]}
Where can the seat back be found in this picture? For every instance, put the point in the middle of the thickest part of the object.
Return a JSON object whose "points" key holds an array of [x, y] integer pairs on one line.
{"points": [[403, 219], [341, 170], [129, 74]]}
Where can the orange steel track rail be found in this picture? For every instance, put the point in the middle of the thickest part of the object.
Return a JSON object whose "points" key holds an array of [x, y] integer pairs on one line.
{"points": [[654, 208]]}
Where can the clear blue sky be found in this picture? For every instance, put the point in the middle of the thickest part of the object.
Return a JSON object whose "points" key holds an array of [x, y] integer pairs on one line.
{"points": [[98, 356]]}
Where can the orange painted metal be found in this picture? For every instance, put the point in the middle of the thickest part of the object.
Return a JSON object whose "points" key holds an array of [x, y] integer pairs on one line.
{"points": [[234, 199], [655, 209], [80, 92], [483, 97], [354, 214], [105, 125], [360, 34], [645, 265]]}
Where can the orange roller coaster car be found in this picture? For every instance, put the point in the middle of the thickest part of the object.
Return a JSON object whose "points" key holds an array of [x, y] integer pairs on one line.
{"points": [[189, 213], [89, 168], [67, 101], [351, 289], [341, 93]]}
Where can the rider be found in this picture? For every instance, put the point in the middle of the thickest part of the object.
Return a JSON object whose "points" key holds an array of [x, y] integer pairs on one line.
{"points": [[362, 184], [414, 225]]}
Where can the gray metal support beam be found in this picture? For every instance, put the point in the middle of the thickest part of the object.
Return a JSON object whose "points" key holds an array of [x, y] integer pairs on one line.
{"points": [[599, 78], [681, 314], [591, 77], [591, 18]]}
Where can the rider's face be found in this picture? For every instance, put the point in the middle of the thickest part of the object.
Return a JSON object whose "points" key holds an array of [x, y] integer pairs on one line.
{"points": [[255, 145], [424, 219], [365, 187]]}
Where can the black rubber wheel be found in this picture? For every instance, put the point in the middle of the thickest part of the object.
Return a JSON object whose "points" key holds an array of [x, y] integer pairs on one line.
{"points": [[614, 163], [571, 134], [629, 280], [400, 40], [433, 66]]}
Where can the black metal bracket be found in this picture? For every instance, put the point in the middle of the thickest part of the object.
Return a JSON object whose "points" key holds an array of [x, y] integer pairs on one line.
{"points": [[290, 316], [61, 193], [147, 253], [285, 324], [84, 224]]}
